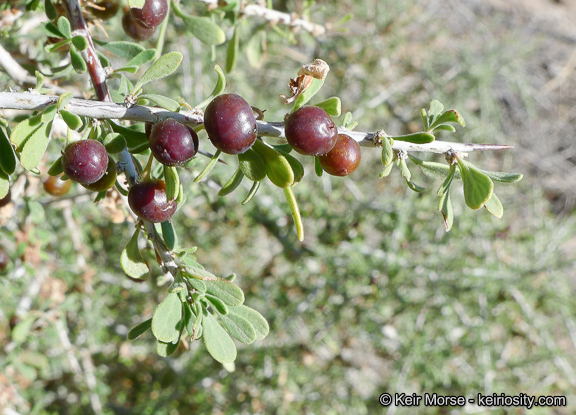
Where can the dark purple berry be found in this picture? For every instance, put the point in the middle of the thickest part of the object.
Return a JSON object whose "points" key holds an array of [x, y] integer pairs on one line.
{"points": [[151, 14], [148, 200], [56, 186], [344, 157], [105, 9], [311, 131], [107, 181], [85, 161], [230, 123], [134, 29], [6, 199], [173, 143]]}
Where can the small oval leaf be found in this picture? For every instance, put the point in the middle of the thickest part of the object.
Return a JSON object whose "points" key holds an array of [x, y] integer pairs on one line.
{"points": [[217, 340], [35, 147], [7, 156], [131, 260], [252, 165], [166, 319], [254, 318], [226, 291], [165, 66], [239, 328], [139, 329]]}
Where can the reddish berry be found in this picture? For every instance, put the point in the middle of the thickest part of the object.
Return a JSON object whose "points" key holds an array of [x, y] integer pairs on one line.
{"points": [[4, 259], [230, 123], [173, 143], [85, 161], [311, 131], [151, 14], [107, 181], [134, 29], [56, 186], [106, 9], [148, 200], [6, 199], [344, 157]]}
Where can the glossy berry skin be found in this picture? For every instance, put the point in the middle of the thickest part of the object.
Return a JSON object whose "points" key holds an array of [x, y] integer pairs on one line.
{"points": [[4, 259], [230, 123], [56, 186], [344, 157], [110, 9], [6, 199], [173, 143], [311, 131], [134, 29], [151, 14], [148, 201], [107, 181], [85, 161]]}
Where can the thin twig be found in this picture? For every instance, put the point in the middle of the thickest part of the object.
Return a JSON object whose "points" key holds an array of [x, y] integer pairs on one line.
{"points": [[109, 110]]}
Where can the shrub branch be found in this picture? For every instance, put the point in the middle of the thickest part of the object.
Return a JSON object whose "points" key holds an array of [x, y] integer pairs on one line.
{"points": [[138, 113]]}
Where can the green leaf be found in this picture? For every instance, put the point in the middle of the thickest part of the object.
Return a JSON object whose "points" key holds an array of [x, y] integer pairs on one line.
{"points": [[434, 112], [416, 138], [142, 57], [49, 113], [503, 177], [297, 167], [218, 88], [7, 156], [254, 318], [72, 120], [293, 204], [80, 42], [208, 167], [348, 122], [64, 27], [35, 147], [22, 329], [166, 319], [172, 182], [199, 273], [386, 171], [166, 349], [450, 116], [225, 290], [217, 340], [194, 325], [77, 61], [445, 207], [204, 29], [52, 30], [404, 170], [445, 127], [133, 138], [162, 101], [56, 167], [478, 187], [64, 100], [387, 151], [126, 50], [251, 193], [252, 165], [197, 284], [239, 327], [131, 260], [114, 143], [232, 50], [139, 329], [50, 10], [165, 66], [333, 106], [232, 184], [494, 206], [170, 237], [218, 304], [22, 132], [318, 167], [39, 81], [308, 93], [431, 168], [4, 184], [278, 168], [443, 189], [415, 187]]}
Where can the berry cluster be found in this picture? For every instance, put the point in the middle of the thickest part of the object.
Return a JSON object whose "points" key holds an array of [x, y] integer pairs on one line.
{"points": [[140, 24], [311, 131]]}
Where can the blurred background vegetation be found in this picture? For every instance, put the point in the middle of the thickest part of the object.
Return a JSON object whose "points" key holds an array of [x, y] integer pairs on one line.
{"points": [[378, 298]]}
